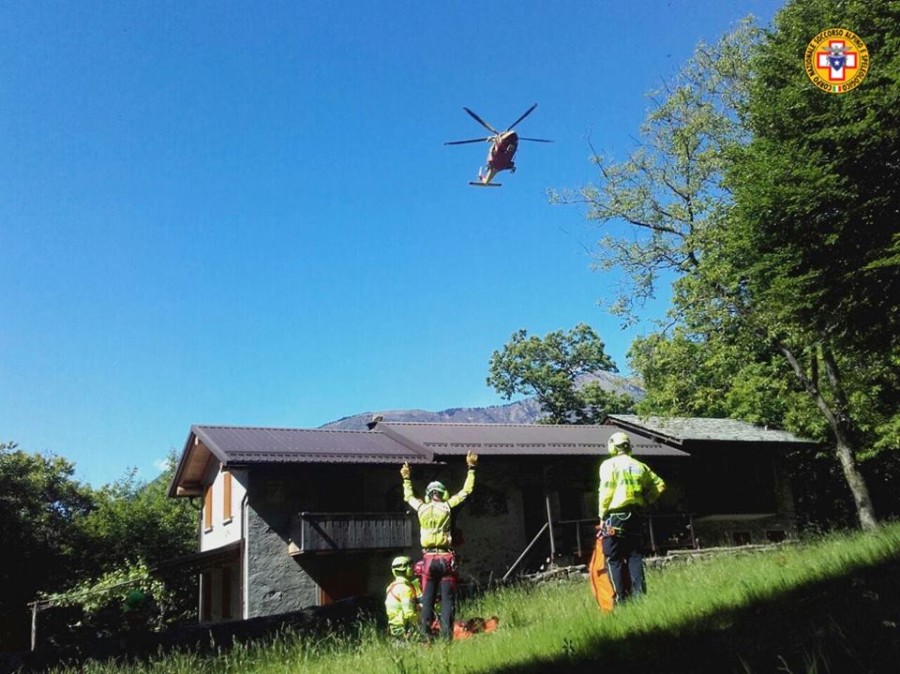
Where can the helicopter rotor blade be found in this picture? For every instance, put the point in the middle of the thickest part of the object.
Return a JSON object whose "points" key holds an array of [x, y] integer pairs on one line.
{"points": [[481, 121], [536, 140], [527, 112], [473, 140]]}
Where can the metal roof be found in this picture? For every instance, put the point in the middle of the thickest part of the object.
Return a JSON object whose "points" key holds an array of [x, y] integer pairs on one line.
{"points": [[517, 439], [241, 445], [388, 443], [681, 429], [236, 445]]}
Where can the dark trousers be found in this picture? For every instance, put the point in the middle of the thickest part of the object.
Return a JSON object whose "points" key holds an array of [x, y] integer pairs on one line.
{"points": [[439, 574], [624, 561]]}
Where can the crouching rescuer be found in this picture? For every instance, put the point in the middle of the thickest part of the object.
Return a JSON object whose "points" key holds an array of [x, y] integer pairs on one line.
{"points": [[402, 600], [626, 486], [435, 530]]}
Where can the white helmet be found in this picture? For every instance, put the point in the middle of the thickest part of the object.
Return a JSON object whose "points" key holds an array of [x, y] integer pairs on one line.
{"points": [[619, 443], [437, 487]]}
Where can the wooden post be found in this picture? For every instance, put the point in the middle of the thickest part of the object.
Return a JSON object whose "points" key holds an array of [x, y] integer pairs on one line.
{"points": [[550, 525], [34, 612], [524, 552]]}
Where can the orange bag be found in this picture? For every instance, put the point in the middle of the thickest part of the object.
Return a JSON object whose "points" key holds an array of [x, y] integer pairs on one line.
{"points": [[601, 587], [463, 629]]}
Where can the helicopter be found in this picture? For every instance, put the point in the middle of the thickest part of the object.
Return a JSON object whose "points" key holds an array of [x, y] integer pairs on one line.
{"points": [[503, 148]]}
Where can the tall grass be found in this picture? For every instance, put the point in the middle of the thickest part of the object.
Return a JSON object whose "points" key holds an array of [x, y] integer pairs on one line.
{"points": [[812, 607]]}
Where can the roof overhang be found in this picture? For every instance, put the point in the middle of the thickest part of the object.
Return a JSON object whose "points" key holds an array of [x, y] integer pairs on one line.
{"points": [[388, 443], [518, 440], [192, 466], [199, 559]]}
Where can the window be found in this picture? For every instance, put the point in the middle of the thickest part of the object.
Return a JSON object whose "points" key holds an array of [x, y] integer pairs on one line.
{"points": [[226, 496], [207, 508], [776, 535]]}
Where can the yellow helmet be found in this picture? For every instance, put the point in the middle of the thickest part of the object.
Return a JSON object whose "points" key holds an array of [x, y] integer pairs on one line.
{"points": [[619, 443], [401, 566]]}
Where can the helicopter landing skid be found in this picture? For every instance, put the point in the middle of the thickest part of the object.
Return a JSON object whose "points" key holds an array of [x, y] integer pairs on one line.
{"points": [[478, 183]]}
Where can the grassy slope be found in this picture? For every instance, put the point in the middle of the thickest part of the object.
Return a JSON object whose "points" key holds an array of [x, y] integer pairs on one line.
{"points": [[831, 605]]}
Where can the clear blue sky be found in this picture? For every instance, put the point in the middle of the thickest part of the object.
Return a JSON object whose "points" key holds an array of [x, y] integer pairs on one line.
{"points": [[244, 213]]}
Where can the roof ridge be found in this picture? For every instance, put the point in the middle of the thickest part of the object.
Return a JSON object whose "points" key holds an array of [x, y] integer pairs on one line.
{"points": [[486, 423], [287, 428]]}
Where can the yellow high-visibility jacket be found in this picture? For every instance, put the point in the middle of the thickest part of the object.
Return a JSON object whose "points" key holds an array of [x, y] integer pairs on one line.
{"points": [[627, 483], [401, 604], [434, 516]]}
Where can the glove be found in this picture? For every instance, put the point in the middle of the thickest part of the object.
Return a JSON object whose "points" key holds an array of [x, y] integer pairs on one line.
{"points": [[472, 459], [404, 471]]}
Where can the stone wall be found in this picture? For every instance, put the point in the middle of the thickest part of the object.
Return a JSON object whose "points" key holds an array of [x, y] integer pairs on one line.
{"points": [[276, 583]]}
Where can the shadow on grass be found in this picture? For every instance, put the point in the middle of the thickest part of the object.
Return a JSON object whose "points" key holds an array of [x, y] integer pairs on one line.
{"points": [[849, 624]]}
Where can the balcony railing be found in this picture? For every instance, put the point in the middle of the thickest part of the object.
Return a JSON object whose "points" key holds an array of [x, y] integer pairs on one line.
{"points": [[662, 532], [342, 532]]}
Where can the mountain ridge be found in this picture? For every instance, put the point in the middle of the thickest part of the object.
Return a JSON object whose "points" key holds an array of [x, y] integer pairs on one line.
{"points": [[526, 411]]}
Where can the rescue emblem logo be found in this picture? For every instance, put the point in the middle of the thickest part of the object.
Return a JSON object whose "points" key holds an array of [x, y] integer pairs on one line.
{"points": [[836, 60]]}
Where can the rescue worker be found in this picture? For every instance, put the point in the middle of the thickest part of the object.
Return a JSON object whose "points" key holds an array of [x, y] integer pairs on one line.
{"points": [[626, 486], [136, 608], [402, 600], [437, 544]]}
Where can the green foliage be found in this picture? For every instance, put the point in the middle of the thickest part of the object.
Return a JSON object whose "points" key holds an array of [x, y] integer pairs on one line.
{"points": [[813, 225], [66, 534], [775, 206], [556, 369], [817, 189], [670, 191], [40, 507], [136, 525], [106, 596], [134, 519]]}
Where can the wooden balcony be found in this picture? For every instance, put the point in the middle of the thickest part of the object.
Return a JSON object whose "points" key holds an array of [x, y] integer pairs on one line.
{"points": [[315, 533]]}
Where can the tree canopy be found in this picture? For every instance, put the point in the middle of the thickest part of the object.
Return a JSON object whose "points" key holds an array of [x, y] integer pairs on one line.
{"points": [[557, 370], [783, 238], [68, 535], [40, 506]]}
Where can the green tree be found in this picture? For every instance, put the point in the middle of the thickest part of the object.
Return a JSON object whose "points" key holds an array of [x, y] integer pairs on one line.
{"points": [[40, 505], [557, 370], [129, 534], [135, 520], [807, 258], [663, 206], [782, 238]]}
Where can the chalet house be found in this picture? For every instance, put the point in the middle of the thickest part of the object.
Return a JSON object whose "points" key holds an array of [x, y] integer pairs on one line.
{"points": [[291, 518]]}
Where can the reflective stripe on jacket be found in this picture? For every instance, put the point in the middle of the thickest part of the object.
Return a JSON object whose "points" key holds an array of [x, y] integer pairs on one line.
{"points": [[434, 516], [400, 605], [627, 483]]}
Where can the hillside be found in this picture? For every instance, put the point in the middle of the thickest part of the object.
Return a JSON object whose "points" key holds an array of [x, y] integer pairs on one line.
{"points": [[825, 605], [525, 411]]}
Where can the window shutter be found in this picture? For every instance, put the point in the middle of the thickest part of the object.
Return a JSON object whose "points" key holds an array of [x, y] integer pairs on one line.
{"points": [[226, 495], [207, 507]]}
